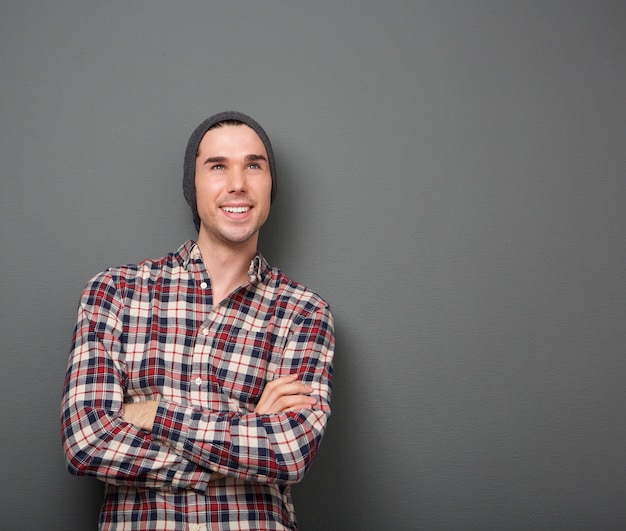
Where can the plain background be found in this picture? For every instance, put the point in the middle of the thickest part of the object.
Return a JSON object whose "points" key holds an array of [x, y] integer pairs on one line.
{"points": [[452, 181]]}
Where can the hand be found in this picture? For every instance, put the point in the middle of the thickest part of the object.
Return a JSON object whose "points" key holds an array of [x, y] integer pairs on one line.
{"points": [[285, 394], [141, 414]]}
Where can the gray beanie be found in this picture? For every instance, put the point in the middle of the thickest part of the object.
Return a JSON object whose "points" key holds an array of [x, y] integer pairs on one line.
{"points": [[189, 174]]}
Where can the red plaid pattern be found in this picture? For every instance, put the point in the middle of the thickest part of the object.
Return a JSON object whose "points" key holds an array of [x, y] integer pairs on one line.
{"points": [[150, 332]]}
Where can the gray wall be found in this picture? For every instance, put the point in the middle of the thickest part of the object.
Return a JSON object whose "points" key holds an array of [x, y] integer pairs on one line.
{"points": [[452, 180]]}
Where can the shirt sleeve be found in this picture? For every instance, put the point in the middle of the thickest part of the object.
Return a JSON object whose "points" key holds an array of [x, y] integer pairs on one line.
{"points": [[96, 441], [272, 448]]}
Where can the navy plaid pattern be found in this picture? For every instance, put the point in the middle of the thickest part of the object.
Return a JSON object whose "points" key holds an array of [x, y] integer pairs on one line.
{"points": [[150, 332]]}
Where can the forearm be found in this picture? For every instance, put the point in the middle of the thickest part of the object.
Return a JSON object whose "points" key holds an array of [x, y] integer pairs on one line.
{"points": [[275, 448], [98, 442], [281, 395]]}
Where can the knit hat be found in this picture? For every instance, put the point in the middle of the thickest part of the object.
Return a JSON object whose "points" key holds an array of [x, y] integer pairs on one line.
{"points": [[189, 174]]}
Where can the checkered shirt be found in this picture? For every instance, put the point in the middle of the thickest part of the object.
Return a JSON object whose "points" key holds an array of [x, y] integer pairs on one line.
{"points": [[151, 332]]}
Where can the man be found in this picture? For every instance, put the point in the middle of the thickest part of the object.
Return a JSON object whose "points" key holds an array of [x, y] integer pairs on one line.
{"points": [[198, 385]]}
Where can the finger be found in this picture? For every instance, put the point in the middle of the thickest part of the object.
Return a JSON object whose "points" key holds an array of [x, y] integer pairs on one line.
{"points": [[282, 393], [286, 403], [300, 406], [295, 388], [290, 378], [276, 403], [275, 390], [286, 378]]}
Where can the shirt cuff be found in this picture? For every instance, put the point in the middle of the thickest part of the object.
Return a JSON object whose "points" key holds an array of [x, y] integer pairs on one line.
{"points": [[171, 424]]}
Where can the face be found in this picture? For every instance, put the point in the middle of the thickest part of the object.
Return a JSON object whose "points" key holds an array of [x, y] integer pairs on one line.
{"points": [[233, 186]]}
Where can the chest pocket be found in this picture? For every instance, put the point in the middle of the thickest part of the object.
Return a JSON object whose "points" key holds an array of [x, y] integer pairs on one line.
{"points": [[243, 364]]}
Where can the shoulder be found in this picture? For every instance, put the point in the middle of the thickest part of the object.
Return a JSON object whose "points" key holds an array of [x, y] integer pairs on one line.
{"points": [[117, 280], [300, 311], [293, 296]]}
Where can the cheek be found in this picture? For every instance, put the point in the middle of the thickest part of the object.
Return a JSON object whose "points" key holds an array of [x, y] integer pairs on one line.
{"points": [[265, 189], [205, 187]]}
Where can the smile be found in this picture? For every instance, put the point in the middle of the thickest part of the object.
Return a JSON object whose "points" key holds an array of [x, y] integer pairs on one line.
{"points": [[236, 210]]}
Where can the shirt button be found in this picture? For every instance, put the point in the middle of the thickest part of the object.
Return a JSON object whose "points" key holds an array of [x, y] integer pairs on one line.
{"points": [[198, 381], [205, 331], [204, 285]]}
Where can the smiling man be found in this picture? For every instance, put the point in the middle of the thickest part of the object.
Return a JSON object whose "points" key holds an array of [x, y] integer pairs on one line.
{"points": [[198, 385]]}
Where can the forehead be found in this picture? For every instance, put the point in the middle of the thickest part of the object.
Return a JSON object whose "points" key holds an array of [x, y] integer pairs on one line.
{"points": [[231, 140]]}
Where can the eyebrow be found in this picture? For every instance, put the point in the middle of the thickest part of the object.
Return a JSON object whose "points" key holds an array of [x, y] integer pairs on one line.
{"points": [[247, 158], [252, 158]]}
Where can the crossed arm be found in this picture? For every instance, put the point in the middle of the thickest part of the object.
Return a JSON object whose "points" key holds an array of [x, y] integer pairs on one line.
{"points": [[279, 396]]}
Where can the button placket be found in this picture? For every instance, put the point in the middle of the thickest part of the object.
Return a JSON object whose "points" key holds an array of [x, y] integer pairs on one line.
{"points": [[200, 376]]}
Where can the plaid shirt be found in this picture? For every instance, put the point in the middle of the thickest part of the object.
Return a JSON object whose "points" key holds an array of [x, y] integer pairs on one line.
{"points": [[150, 332]]}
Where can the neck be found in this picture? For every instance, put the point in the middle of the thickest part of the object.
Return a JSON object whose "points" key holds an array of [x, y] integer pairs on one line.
{"points": [[227, 264]]}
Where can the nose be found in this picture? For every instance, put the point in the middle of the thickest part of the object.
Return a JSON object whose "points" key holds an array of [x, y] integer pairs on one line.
{"points": [[237, 180]]}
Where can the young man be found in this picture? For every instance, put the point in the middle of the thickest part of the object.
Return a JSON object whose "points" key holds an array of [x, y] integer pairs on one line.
{"points": [[198, 385]]}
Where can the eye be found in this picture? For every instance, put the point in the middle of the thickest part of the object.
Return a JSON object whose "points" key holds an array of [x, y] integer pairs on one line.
{"points": [[254, 166], [217, 167]]}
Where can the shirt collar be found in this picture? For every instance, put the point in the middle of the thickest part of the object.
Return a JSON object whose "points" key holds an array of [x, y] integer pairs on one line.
{"points": [[189, 253], [259, 268]]}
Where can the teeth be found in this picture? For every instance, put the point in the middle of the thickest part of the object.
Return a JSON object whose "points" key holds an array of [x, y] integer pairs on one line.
{"points": [[237, 210]]}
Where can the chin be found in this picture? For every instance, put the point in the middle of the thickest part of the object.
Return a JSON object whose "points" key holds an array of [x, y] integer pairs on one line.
{"points": [[240, 238]]}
